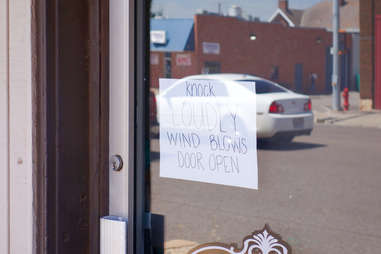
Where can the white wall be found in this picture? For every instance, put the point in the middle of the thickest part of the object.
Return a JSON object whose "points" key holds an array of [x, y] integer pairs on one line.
{"points": [[16, 196], [4, 169]]}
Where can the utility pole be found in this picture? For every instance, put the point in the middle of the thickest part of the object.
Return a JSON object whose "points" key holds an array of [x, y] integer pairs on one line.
{"points": [[335, 53]]}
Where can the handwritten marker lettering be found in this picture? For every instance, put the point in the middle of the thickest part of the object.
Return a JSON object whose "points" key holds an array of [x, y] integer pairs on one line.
{"points": [[204, 136], [198, 89]]}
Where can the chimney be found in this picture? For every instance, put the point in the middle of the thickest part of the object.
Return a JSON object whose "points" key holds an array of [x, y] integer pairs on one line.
{"points": [[283, 5]]}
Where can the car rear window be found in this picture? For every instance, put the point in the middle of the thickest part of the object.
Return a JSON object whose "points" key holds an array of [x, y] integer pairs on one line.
{"points": [[262, 87]]}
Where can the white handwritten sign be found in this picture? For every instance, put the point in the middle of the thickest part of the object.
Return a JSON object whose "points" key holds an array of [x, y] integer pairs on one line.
{"points": [[208, 131]]}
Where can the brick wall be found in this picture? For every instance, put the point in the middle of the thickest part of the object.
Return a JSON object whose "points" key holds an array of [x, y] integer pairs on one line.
{"points": [[275, 45], [366, 48], [368, 11], [178, 69], [156, 68], [280, 20]]}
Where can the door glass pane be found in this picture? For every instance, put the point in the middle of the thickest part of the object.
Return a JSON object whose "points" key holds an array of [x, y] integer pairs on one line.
{"points": [[246, 131]]}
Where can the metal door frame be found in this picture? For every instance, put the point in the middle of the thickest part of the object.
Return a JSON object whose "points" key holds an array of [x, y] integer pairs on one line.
{"points": [[140, 182]]}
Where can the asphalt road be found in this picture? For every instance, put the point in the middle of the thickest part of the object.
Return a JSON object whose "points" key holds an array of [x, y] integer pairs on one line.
{"points": [[322, 194]]}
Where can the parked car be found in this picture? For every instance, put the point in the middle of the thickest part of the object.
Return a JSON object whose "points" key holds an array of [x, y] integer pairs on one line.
{"points": [[281, 114]]}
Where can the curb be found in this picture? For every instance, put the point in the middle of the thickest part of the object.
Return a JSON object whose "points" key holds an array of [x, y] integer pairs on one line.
{"points": [[330, 120], [355, 118]]}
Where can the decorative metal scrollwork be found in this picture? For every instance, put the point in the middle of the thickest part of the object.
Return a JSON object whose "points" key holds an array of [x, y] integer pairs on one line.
{"points": [[261, 242]]}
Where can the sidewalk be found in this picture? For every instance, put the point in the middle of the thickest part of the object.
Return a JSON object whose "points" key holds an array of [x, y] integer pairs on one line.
{"points": [[323, 113], [179, 246]]}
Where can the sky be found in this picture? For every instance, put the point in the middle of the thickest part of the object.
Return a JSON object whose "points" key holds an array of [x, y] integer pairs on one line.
{"points": [[257, 8]]}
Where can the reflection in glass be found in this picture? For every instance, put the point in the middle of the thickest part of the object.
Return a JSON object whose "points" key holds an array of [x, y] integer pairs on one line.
{"points": [[318, 169]]}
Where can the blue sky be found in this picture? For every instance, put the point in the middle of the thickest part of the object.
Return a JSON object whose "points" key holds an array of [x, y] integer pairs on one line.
{"points": [[257, 8]]}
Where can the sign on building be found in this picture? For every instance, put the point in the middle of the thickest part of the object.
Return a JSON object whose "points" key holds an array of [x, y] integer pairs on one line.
{"points": [[207, 133], [211, 48], [158, 36], [183, 60]]}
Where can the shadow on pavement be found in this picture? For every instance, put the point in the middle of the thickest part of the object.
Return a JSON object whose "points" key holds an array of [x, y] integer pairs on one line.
{"points": [[288, 147]]}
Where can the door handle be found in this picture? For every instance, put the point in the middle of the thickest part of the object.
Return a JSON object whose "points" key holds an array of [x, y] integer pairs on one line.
{"points": [[116, 162]]}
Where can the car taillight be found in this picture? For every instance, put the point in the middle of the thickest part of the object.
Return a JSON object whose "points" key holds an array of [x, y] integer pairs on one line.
{"points": [[308, 106], [275, 107]]}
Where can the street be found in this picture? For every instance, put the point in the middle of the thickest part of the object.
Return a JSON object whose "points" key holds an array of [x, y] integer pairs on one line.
{"points": [[321, 193]]}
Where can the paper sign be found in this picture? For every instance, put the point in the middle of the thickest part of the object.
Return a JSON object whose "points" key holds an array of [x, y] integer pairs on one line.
{"points": [[208, 131]]}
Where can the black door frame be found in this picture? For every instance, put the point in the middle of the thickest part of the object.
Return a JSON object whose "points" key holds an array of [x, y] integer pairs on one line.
{"points": [[138, 214]]}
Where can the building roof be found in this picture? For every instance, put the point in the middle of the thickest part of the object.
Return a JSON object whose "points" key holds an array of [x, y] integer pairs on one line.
{"points": [[292, 16], [296, 16], [179, 34], [320, 15]]}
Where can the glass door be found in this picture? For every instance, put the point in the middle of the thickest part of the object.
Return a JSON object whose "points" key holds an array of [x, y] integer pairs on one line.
{"points": [[246, 153]]}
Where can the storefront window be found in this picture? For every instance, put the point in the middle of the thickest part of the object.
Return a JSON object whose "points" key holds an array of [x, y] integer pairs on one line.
{"points": [[245, 135]]}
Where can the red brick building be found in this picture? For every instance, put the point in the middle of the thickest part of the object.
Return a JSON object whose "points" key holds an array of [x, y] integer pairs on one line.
{"points": [[296, 57], [320, 15], [370, 54]]}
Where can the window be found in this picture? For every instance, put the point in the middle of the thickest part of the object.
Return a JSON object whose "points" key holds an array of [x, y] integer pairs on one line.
{"points": [[260, 143], [262, 87], [167, 65], [211, 67]]}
